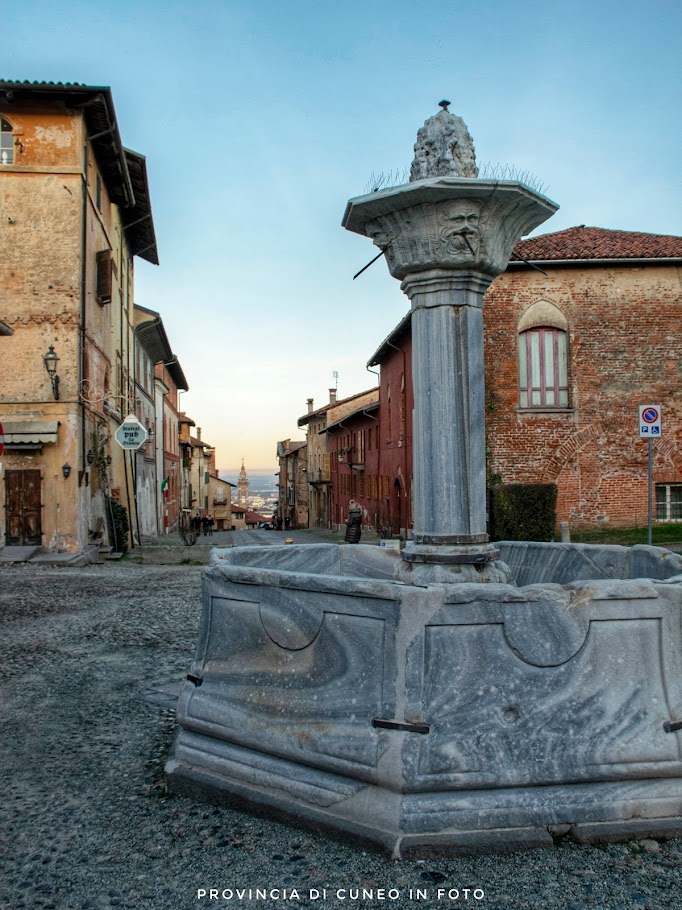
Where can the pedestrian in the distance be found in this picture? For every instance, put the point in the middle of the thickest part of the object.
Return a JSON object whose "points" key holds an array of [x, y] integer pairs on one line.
{"points": [[353, 523]]}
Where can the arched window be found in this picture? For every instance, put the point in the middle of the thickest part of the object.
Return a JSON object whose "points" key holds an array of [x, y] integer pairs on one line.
{"points": [[6, 142], [543, 357], [543, 369]]}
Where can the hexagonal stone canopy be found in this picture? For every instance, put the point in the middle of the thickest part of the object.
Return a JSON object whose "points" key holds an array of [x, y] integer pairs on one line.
{"points": [[453, 223]]}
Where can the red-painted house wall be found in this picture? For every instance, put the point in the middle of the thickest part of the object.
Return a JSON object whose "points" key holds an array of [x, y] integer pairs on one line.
{"points": [[355, 440], [394, 466]]}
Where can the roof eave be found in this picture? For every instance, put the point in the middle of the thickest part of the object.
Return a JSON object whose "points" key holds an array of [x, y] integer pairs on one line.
{"points": [[364, 410], [515, 264], [152, 336], [97, 105], [137, 219], [389, 342]]}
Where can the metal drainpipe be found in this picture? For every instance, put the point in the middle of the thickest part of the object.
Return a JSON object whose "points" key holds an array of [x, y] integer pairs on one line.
{"points": [[130, 514], [83, 296]]}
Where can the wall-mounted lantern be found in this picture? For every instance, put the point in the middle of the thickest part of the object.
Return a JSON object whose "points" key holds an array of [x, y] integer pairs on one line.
{"points": [[90, 457], [66, 469], [50, 360]]}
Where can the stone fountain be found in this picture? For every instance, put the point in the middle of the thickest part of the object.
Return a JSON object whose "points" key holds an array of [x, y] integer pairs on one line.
{"points": [[456, 696]]}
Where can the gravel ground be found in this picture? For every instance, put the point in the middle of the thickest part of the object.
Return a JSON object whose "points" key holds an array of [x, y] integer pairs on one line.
{"points": [[91, 658]]}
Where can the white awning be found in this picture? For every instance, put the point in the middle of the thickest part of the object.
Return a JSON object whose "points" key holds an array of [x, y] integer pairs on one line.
{"points": [[29, 433]]}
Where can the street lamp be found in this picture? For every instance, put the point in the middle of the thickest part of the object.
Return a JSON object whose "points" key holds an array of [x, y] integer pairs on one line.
{"points": [[66, 470], [50, 360]]}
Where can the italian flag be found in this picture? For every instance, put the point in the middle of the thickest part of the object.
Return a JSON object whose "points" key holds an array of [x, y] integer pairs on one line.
{"points": [[164, 486]]}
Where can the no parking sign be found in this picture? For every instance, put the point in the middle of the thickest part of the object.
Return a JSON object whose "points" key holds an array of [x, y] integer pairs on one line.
{"points": [[649, 421]]}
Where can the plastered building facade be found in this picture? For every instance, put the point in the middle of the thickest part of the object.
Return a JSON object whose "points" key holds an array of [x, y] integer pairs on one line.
{"points": [[75, 211]]}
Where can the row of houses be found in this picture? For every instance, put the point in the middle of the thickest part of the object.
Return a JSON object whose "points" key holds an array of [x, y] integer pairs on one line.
{"points": [[581, 329], [77, 353]]}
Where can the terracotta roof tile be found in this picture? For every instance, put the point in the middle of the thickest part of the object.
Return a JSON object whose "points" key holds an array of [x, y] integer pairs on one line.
{"points": [[586, 243]]}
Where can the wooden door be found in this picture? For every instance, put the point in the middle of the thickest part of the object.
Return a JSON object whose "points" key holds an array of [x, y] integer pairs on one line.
{"points": [[22, 508]]}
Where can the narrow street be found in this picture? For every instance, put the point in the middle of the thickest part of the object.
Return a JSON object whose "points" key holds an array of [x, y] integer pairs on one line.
{"points": [[93, 659]]}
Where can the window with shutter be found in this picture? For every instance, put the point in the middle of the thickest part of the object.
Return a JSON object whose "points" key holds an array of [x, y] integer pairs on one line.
{"points": [[543, 368], [104, 276]]}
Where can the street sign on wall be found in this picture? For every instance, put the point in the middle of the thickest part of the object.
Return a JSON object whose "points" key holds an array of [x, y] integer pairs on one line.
{"points": [[131, 434], [650, 421]]}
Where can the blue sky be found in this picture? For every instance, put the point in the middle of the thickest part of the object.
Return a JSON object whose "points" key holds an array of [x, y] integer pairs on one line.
{"points": [[260, 119]]}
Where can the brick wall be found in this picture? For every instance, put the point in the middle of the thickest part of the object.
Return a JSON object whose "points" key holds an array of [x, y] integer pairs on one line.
{"points": [[625, 349]]}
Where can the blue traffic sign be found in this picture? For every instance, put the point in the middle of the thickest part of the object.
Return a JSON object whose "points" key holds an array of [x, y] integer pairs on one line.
{"points": [[649, 420]]}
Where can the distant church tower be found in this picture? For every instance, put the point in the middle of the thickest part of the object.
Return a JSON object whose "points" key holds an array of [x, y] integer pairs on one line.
{"points": [[243, 487]]}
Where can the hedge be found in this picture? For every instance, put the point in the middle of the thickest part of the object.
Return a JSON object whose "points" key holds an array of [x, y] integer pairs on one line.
{"points": [[522, 511]]}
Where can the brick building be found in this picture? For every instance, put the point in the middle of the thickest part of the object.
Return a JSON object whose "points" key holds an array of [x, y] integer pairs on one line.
{"points": [[353, 447], [321, 513], [570, 353], [569, 357], [394, 458]]}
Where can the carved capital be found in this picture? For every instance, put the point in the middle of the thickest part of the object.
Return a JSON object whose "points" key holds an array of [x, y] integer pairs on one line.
{"points": [[448, 223]]}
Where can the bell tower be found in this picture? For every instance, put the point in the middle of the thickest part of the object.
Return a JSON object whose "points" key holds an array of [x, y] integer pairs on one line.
{"points": [[243, 487]]}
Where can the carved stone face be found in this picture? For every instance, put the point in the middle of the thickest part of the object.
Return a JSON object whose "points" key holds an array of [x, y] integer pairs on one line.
{"points": [[460, 228], [377, 234]]}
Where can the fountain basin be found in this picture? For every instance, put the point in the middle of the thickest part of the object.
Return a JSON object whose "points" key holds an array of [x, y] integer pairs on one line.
{"points": [[335, 685]]}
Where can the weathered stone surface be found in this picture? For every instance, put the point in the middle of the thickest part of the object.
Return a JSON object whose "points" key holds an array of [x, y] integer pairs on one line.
{"points": [[436, 716], [533, 562], [653, 562], [444, 148], [448, 223]]}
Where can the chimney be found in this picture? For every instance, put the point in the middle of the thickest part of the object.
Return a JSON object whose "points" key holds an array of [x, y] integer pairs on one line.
{"points": [[310, 406], [332, 396], [199, 433]]}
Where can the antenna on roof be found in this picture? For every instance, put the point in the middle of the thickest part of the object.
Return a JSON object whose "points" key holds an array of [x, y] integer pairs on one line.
{"points": [[335, 374]]}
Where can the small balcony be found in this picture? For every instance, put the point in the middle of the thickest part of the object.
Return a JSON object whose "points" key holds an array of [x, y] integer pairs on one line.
{"points": [[318, 477]]}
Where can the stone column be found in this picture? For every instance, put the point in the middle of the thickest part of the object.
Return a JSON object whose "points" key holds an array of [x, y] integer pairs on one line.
{"points": [[449, 427], [445, 239]]}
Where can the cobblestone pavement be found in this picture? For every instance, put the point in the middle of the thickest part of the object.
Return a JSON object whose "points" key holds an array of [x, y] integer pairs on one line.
{"points": [[171, 550], [91, 660]]}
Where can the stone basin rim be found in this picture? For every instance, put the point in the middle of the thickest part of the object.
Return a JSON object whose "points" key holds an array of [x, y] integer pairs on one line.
{"points": [[363, 580]]}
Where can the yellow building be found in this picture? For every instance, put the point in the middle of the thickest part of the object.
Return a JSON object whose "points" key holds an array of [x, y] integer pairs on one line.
{"points": [[74, 212]]}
